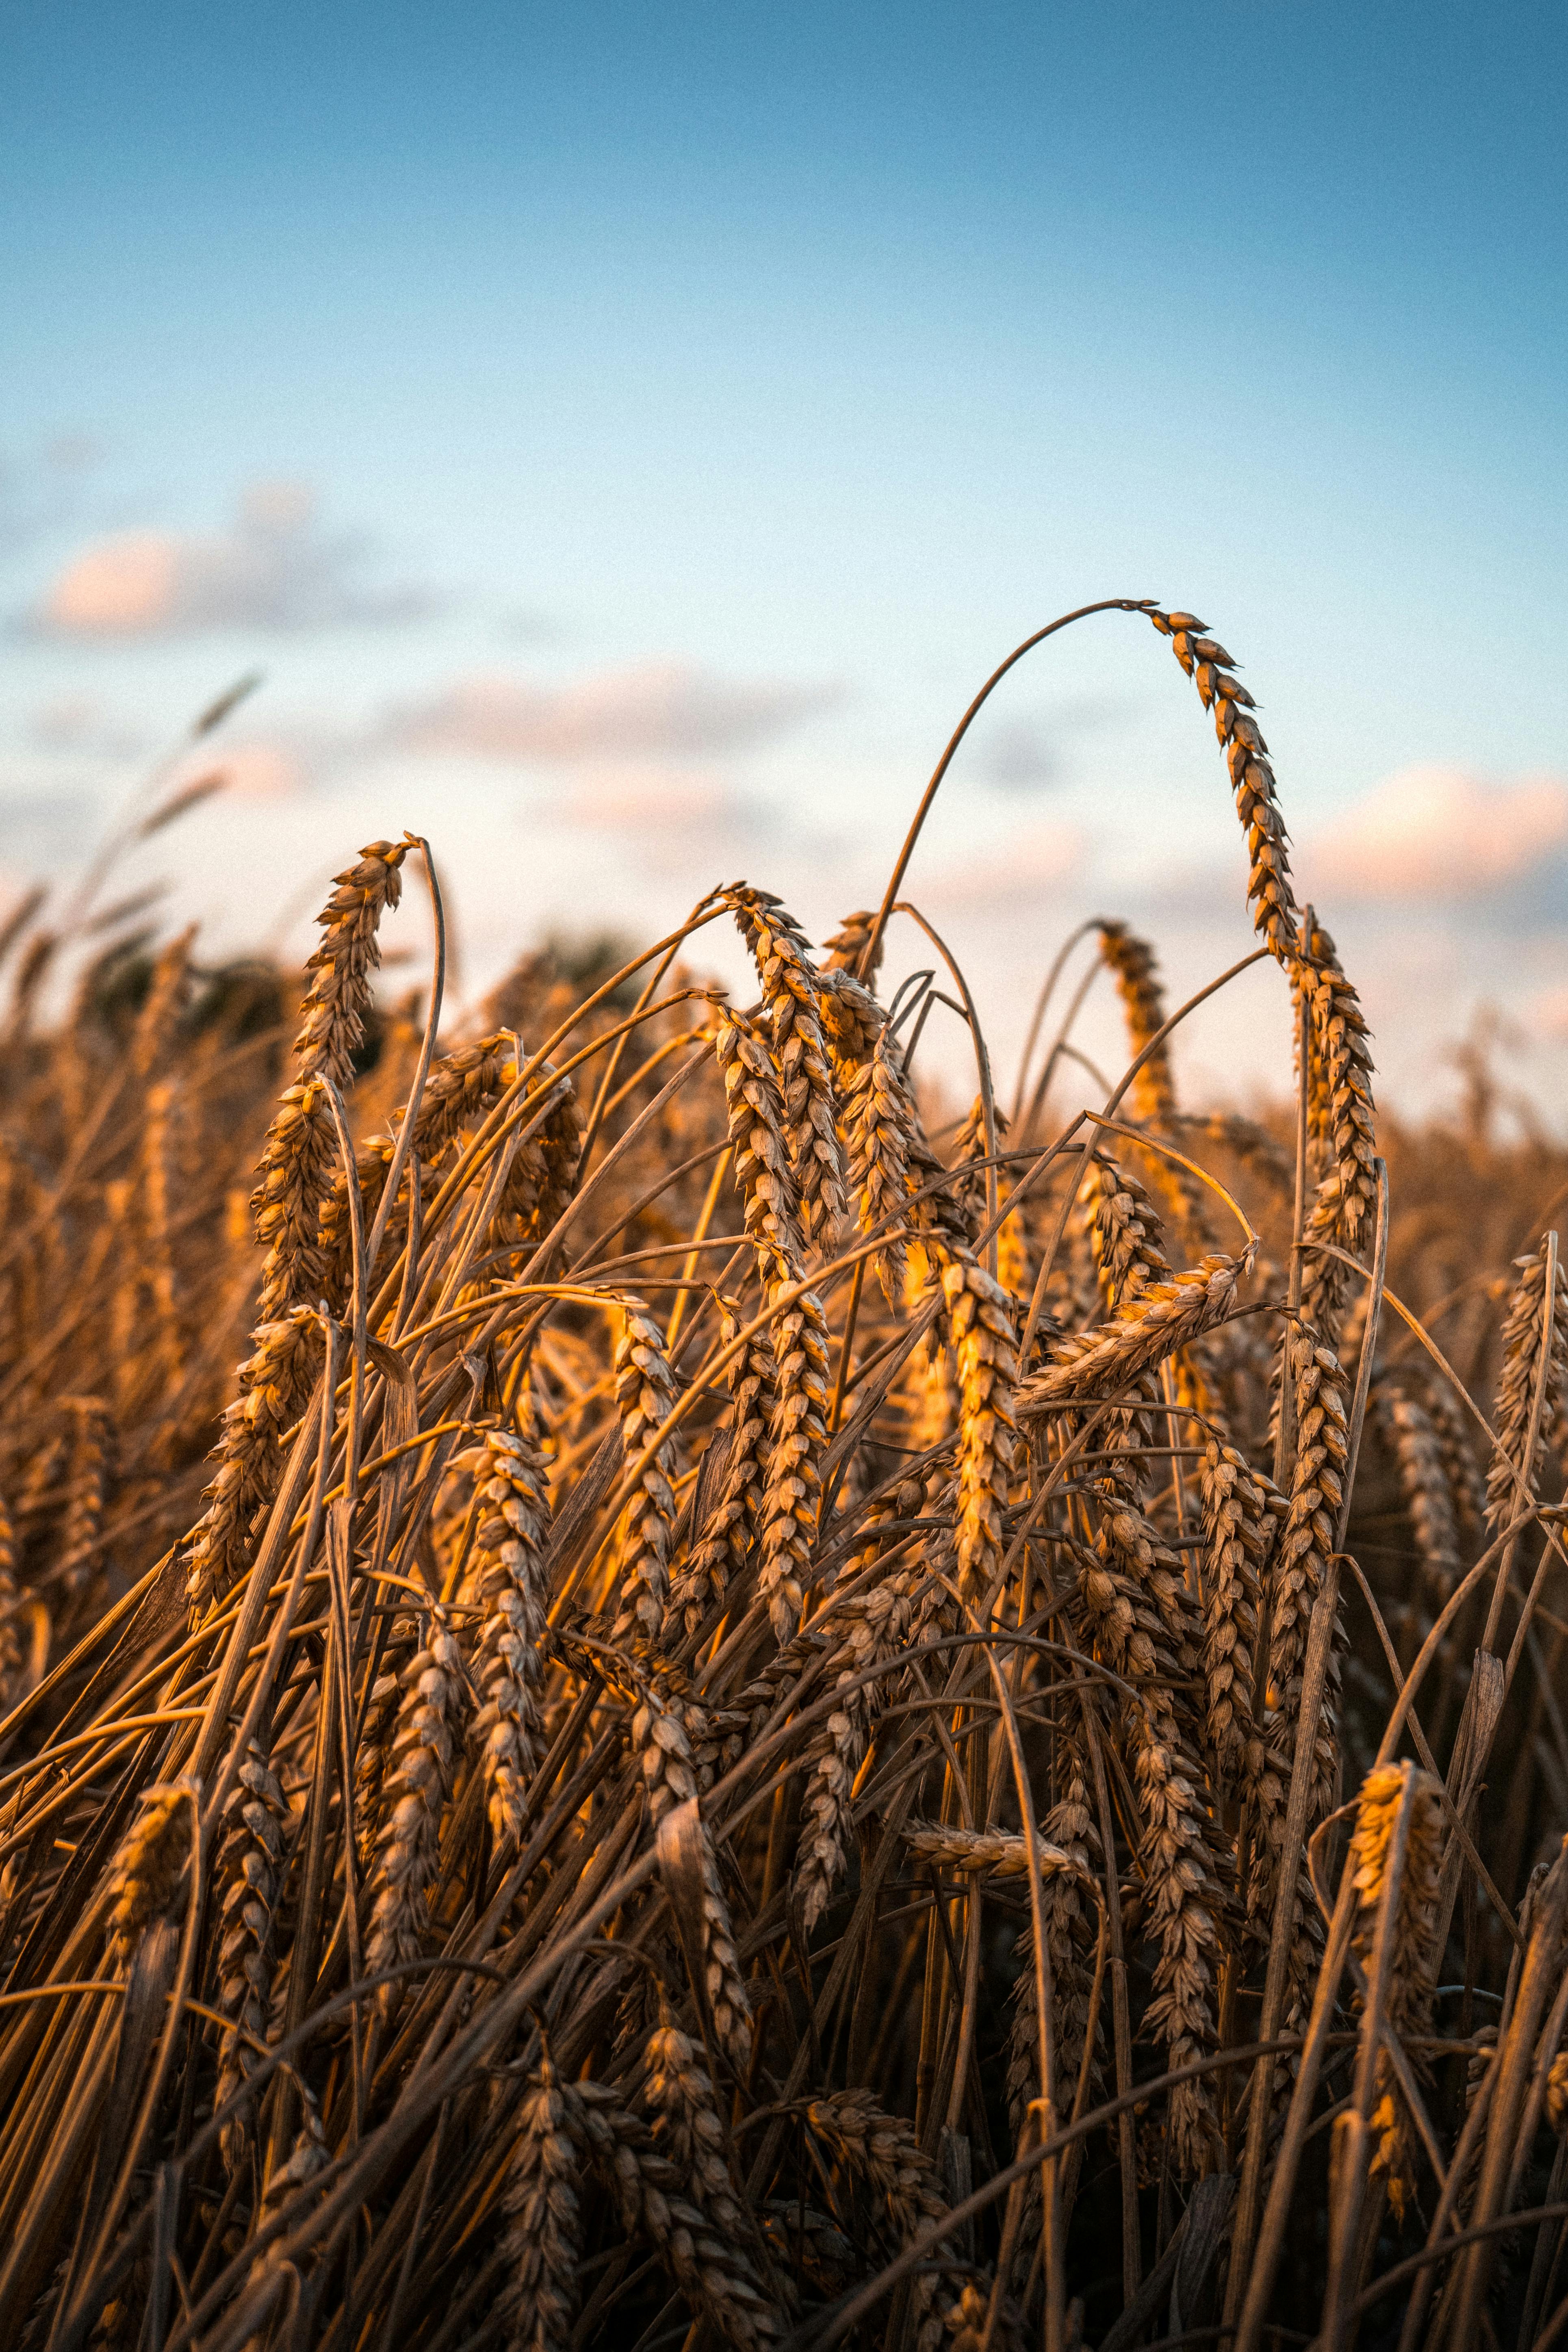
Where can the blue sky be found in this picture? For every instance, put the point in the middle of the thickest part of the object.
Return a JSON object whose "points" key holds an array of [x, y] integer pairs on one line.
{"points": [[625, 437]]}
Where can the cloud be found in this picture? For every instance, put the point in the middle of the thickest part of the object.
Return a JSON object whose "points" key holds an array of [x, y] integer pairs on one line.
{"points": [[1021, 869], [257, 771], [1030, 752], [272, 569], [671, 820], [1548, 1010], [1019, 756], [38, 492], [80, 726], [670, 709], [1440, 834]]}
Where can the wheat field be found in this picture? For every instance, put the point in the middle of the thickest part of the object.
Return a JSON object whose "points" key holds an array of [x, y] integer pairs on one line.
{"points": [[758, 1718]]}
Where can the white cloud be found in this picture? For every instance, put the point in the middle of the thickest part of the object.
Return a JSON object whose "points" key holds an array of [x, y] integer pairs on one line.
{"points": [[666, 708], [273, 569], [1438, 833]]}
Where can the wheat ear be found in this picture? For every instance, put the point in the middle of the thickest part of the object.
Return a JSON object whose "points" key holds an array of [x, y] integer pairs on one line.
{"points": [[507, 1579], [645, 1393], [1297, 1570], [791, 992], [881, 1123], [275, 1384], [1132, 1595], [868, 1630], [144, 1876], [333, 1013], [724, 1543], [1413, 1957], [1150, 1327], [1069, 1943], [420, 1782], [247, 1871], [986, 1350], [793, 1495], [87, 1495], [847, 944], [998, 1854], [542, 2243], [1344, 1091], [1123, 1229], [689, 2134], [1532, 1329], [164, 1006], [1237, 1529], [10, 1602], [762, 1174], [678, 1740], [1135, 969]]}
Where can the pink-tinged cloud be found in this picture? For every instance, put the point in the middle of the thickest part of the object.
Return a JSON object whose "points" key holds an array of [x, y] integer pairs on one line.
{"points": [[257, 771], [1008, 879], [626, 799], [1438, 833], [1546, 1013], [665, 819], [273, 569], [662, 709]]}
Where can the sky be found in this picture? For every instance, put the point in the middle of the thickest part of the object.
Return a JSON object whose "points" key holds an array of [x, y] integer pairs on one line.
{"points": [[623, 439]]}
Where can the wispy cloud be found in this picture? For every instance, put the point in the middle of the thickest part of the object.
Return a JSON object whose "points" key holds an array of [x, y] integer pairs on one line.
{"points": [[1020, 756], [1440, 834], [1027, 866], [80, 726], [274, 568], [670, 820], [669, 709], [38, 492]]}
